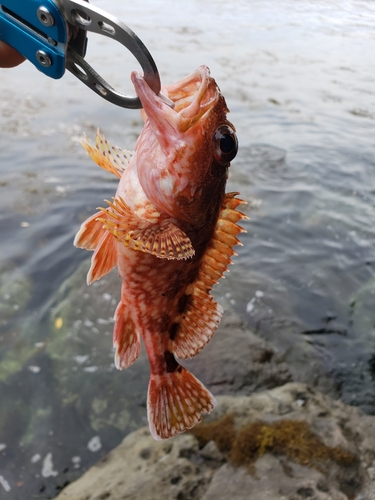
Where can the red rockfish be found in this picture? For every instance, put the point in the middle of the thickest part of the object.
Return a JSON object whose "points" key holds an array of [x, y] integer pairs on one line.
{"points": [[170, 230]]}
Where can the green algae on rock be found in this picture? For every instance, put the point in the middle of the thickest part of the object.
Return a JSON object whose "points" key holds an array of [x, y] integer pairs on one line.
{"points": [[292, 438], [15, 292]]}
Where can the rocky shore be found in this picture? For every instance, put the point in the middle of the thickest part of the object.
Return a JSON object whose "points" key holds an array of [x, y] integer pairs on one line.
{"points": [[273, 435]]}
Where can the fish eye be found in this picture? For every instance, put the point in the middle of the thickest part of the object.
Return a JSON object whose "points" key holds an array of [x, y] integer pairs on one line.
{"points": [[225, 144]]}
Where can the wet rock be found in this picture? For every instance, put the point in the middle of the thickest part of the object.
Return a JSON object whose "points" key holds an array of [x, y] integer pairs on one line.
{"points": [[15, 292], [15, 324], [80, 346], [144, 468], [274, 464], [304, 361], [270, 480], [238, 362], [362, 312]]}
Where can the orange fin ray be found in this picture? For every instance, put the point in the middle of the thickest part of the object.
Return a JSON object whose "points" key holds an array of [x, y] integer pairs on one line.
{"points": [[231, 202], [104, 258], [164, 240], [90, 232], [220, 248], [175, 403], [126, 338], [199, 322], [107, 156], [202, 314]]}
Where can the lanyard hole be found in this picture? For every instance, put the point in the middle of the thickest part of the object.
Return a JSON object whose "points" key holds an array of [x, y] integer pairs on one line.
{"points": [[81, 17], [107, 28], [100, 88], [78, 71]]}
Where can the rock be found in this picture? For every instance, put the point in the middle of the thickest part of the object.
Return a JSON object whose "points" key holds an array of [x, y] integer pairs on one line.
{"points": [[270, 481], [296, 443], [305, 363], [15, 292], [144, 468], [238, 362], [82, 388]]}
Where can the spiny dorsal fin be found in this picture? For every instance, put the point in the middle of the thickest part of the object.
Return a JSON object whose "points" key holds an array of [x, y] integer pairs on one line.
{"points": [[220, 248], [126, 339], [175, 402], [108, 156], [164, 240], [198, 323]]}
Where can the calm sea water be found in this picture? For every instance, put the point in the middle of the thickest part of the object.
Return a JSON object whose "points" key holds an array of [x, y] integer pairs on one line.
{"points": [[299, 78]]}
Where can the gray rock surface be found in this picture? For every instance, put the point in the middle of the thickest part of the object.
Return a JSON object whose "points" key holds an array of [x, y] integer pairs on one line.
{"points": [[237, 362], [141, 468]]}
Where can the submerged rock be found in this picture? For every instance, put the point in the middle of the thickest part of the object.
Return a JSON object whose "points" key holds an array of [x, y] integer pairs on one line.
{"points": [[288, 443], [15, 292]]}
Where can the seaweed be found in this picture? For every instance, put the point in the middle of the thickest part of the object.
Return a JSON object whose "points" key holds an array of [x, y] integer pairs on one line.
{"points": [[292, 438], [221, 431]]}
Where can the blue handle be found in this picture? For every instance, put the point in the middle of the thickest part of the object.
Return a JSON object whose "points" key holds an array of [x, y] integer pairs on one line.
{"points": [[42, 43]]}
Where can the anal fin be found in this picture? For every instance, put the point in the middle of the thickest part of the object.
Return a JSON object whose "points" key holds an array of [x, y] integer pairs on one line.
{"points": [[175, 402], [126, 339]]}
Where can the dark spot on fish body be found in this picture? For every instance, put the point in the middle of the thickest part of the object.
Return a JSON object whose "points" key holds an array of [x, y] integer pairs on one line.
{"points": [[170, 361], [182, 303], [174, 330], [164, 322]]}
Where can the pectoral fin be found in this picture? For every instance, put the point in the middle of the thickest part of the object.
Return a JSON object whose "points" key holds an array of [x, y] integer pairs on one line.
{"points": [[90, 232], [164, 240], [104, 258]]}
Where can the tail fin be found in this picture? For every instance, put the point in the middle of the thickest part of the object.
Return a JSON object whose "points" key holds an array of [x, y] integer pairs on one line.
{"points": [[175, 403]]}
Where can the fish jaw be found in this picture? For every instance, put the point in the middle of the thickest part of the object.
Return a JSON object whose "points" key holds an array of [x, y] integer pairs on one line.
{"points": [[192, 96], [174, 150]]}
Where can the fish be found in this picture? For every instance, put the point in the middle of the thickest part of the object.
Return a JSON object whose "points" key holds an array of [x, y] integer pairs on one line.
{"points": [[170, 230]]}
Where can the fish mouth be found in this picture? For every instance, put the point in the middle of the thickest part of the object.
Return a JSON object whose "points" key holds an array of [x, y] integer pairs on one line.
{"points": [[193, 98]]}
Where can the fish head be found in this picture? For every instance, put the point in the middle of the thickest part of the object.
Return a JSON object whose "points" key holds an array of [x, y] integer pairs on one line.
{"points": [[184, 150]]}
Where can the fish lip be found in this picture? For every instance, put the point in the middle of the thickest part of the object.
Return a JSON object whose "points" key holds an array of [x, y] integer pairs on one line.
{"points": [[192, 96]]}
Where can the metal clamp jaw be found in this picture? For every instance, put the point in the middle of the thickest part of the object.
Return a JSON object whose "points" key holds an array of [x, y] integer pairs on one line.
{"points": [[52, 34]]}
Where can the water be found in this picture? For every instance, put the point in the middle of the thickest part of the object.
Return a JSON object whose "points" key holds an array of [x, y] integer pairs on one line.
{"points": [[299, 79]]}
